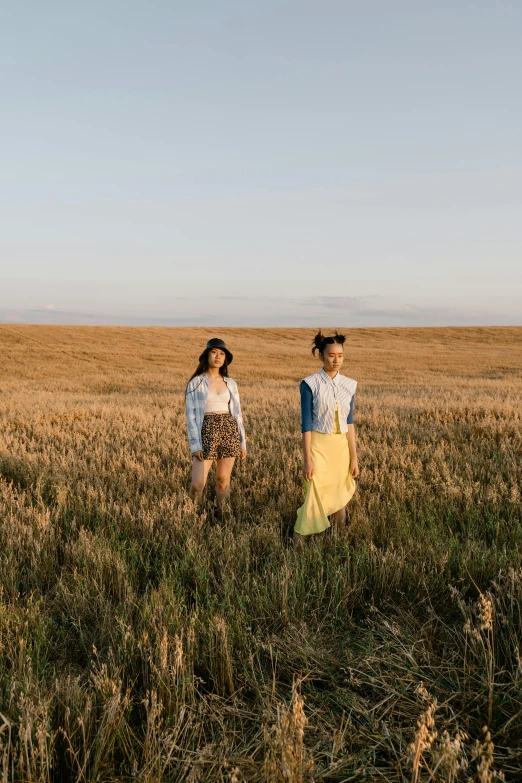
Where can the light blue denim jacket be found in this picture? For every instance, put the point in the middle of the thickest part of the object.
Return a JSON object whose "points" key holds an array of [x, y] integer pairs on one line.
{"points": [[195, 399]]}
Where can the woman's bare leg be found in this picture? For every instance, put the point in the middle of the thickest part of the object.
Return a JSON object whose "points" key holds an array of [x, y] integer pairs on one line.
{"points": [[223, 473], [298, 540], [339, 518], [200, 469]]}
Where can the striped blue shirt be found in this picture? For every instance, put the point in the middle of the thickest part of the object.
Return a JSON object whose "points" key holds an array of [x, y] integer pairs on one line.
{"points": [[329, 394], [307, 398]]}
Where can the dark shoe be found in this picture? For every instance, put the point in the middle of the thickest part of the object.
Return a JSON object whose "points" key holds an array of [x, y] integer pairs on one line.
{"points": [[218, 515]]}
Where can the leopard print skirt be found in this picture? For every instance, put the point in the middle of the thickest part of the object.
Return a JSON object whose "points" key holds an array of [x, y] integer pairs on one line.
{"points": [[220, 436]]}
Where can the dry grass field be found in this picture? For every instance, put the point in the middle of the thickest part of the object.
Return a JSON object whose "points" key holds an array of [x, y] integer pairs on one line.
{"points": [[141, 642]]}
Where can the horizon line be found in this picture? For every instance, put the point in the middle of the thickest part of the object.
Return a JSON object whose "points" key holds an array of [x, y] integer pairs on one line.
{"points": [[253, 328]]}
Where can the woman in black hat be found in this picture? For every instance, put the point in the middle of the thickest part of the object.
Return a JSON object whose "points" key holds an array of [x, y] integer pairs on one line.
{"points": [[214, 421]]}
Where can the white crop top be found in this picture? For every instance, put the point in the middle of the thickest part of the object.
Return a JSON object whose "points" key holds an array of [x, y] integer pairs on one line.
{"points": [[217, 403]]}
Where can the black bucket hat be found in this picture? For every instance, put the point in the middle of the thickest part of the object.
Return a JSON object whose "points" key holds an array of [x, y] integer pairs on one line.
{"points": [[215, 342]]}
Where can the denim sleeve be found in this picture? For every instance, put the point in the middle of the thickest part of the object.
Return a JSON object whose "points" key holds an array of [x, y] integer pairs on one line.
{"points": [[194, 437], [306, 406], [239, 419], [349, 420]]}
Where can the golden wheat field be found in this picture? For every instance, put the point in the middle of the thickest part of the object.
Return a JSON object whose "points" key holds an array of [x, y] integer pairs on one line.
{"points": [[139, 641]]}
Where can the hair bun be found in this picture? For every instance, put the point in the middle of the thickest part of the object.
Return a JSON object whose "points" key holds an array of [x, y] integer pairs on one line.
{"points": [[320, 341]]}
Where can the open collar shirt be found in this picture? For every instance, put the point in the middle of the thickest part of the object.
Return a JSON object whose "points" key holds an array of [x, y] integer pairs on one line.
{"points": [[195, 399], [327, 394]]}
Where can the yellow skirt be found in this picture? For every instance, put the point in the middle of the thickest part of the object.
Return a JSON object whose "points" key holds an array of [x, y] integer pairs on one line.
{"points": [[332, 485]]}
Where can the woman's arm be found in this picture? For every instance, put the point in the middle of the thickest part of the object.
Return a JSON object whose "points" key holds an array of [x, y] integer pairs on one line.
{"points": [[239, 420], [308, 468], [306, 428], [194, 437], [354, 463]]}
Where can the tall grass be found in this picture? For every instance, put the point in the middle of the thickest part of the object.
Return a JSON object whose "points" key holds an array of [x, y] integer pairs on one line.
{"points": [[139, 641]]}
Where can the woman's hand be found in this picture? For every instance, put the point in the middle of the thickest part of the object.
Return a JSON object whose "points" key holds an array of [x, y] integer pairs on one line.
{"points": [[354, 468], [243, 453], [198, 455], [308, 470]]}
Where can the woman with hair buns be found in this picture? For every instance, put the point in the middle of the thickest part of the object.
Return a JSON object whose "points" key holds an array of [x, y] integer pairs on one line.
{"points": [[214, 421], [329, 450]]}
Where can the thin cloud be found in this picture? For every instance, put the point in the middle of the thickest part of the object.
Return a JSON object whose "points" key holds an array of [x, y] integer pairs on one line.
{"points": [[237, 310], [351, 304], [375, 308]]}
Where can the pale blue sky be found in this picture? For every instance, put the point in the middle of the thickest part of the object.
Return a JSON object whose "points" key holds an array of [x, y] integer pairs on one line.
{"points": [[330, 162]]}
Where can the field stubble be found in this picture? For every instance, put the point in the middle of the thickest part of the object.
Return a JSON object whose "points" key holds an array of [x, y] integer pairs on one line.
{"points": [[140, 642]]}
